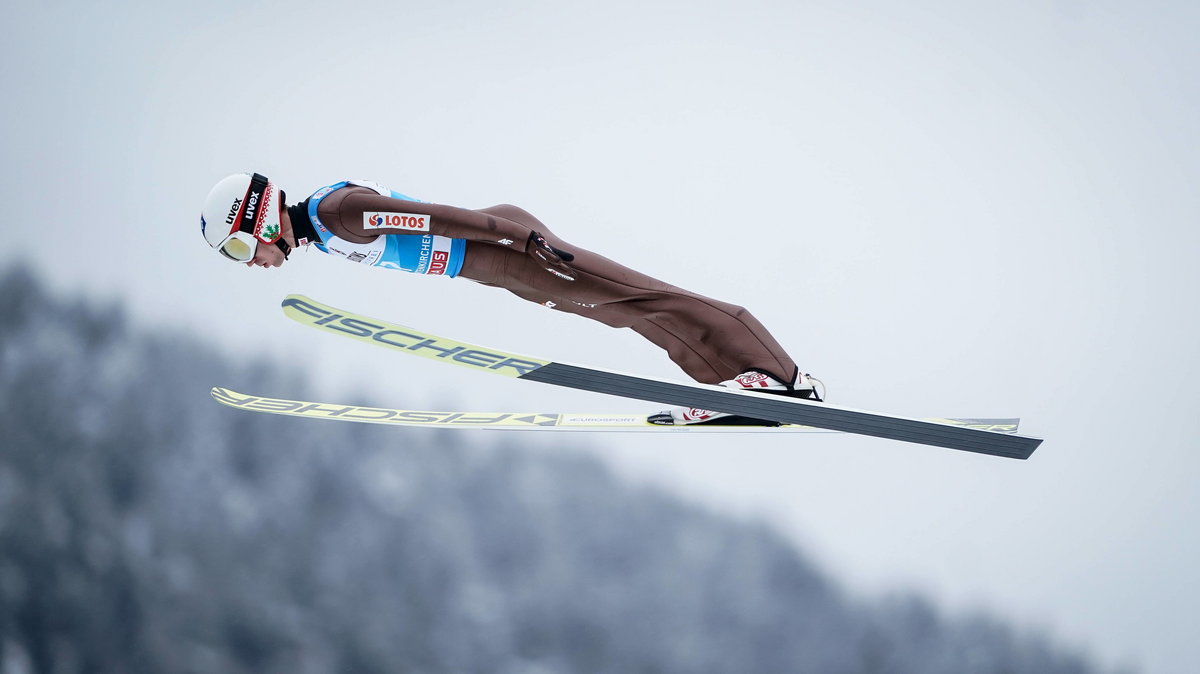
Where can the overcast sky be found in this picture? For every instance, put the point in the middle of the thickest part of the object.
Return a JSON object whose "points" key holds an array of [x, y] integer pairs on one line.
{"points": [[941, 208]]}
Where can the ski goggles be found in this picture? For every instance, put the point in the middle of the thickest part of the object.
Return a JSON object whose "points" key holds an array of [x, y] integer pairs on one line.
{"points": [[238, 246], [257, 220]]}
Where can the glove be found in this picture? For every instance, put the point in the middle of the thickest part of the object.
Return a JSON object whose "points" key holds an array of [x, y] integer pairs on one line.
{"points": [[552, 259]]}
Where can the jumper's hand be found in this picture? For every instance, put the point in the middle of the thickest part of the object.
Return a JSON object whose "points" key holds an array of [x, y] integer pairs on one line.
{"points": [[552, 259]]}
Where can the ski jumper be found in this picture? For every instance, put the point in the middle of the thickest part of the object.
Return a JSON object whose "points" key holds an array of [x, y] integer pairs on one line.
{"points": [[711, 341]]}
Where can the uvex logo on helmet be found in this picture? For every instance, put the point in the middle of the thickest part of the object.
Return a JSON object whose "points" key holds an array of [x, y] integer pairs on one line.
{"points": [[251, 204], [233, 211]]}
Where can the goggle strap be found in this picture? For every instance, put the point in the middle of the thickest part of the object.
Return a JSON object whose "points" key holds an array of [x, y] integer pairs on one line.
{"points": [[258, 183]]}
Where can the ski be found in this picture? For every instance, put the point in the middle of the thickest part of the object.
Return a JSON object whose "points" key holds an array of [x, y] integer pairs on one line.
{"points": [[521, 421], [785, 410]]}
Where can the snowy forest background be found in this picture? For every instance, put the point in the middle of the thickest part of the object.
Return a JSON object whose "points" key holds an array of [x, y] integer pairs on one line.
{"points": [[145, 529]]}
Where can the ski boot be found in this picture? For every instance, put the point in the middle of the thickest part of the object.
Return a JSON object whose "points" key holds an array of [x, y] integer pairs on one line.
{"points": [[757, 382]]}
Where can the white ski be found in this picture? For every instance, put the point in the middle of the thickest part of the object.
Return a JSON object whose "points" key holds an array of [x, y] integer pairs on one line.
{"points": [[520, 421], [758, 406]]}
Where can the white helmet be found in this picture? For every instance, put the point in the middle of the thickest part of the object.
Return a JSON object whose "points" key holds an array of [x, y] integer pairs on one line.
{"points": [[240, 211]]}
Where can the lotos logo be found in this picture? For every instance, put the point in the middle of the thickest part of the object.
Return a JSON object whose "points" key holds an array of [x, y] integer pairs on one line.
{"points": [[413, 222]]}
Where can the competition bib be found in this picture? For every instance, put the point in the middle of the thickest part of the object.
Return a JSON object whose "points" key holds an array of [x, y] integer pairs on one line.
{"points": [[417, 253]]}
